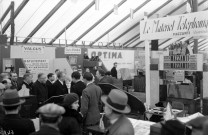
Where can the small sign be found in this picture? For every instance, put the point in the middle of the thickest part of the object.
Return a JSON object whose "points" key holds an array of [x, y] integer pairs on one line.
{"points": [[72, 50], [37, 64], [33, 49], [22, 71]]}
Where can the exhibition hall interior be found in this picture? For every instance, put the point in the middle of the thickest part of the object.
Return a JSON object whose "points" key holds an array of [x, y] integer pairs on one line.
{"points": [[103, 67]]}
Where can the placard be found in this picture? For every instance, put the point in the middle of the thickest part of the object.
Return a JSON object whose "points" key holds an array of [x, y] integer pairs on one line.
{"points": [[72, 50], [179, 75], [37, 64], [183, 62], [185, 25], [22, 71], [33, 49]]}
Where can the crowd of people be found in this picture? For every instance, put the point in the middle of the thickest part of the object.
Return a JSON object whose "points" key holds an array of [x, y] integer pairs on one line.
{"points": [[81, 106]]}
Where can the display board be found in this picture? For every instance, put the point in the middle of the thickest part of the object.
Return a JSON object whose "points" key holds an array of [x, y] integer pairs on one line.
{"points": [[124, 58], [185, 25]]}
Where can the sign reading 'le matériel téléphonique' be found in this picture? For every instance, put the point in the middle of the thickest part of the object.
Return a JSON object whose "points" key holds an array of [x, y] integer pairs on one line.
{"points": [[183, 62], [185, 25]]}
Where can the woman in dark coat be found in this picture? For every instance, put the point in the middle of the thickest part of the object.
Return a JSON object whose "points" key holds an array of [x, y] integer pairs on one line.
{"points": [[72, 120]]}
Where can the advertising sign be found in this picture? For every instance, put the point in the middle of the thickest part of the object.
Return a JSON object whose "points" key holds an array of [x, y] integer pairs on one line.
{"points": [[124, 58], [33, 49], [72, 50], [185, 25], [183, 62], [37, 64]]}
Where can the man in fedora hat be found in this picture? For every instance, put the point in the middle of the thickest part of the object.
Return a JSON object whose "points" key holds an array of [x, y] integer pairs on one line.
{"points": [[12, 123], [115, 108], [50, 117]]}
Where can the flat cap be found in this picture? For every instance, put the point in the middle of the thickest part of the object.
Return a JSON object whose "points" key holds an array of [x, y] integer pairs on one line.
{"points": [[51, 110]]}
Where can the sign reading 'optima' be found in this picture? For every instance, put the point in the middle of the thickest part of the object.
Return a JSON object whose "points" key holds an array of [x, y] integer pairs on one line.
{"points": [[193, 24]]}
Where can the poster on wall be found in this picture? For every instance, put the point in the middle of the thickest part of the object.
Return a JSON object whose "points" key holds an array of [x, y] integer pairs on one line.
{"points": [[22, 71], [179, 75], [72, 50], [8, 65], [36, 64], [72, 60], [124, 58], [33, 49], [139, 60]]}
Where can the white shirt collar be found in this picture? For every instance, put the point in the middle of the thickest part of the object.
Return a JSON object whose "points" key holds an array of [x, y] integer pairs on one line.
{"points": [[113, 121], [89, 83], [61, 82]]}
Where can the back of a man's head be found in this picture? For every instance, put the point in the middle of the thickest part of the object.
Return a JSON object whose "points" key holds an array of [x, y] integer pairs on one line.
{"points": [[60, 74], [101, 72], [88, 76], [76, 75]]}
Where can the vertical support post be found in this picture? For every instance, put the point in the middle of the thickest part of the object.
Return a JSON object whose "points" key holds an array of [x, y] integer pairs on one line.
{"points": [[194, 7], [147, 72], [12, 23]]}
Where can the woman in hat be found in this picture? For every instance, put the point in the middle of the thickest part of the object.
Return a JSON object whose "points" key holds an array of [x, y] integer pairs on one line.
{"points": [[72, 120]]}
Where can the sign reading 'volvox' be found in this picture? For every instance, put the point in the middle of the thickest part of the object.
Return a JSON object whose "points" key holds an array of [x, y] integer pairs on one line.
{"points": [[186, 25]]}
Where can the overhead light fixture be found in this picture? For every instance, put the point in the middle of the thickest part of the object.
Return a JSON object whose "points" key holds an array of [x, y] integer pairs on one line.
{"points": [[97, 4], [131, 13], [115, 9]]}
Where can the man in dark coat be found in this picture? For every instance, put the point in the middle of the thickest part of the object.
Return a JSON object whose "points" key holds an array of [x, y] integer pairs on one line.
{"points": [[27, 81], [49, 83], [15, 84], [102, 78], [39, 89], [90, 102], [114, 71], [78, 86], [115, 108], [59, 87], [12, 123], [50, 117]]}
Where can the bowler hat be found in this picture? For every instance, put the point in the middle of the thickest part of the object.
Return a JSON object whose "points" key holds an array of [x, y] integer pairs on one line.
{"points": [[11, 98], [117, 100], [69, 99]]}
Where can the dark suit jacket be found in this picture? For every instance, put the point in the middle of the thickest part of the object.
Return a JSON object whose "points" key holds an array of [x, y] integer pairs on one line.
{"points": [[121, 127], [78, 88], [59, 89], [91, 104], [49, 86], [17, 125], [114, 72], [40, 90], [15, 85], [46, 130], [29, 86]]}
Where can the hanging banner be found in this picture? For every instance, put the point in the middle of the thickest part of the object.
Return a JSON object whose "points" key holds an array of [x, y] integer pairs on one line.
{"points": [[37, 64], [185, 25], [33, 49], [124, 58], [183, 62], [72, 50]]}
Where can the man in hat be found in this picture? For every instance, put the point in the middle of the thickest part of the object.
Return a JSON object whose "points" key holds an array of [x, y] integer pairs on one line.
{"points": [[12, 123], [102, 78], [114, 71], [50, 117], [115, 108], [90, 102]]}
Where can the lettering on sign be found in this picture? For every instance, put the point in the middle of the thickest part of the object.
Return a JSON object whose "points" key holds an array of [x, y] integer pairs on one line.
{"points": [[107, 55], [33, 49], [193, 24], [72, 50]]}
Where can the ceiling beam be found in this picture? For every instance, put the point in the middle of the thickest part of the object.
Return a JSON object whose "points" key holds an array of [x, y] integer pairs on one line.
{"points": [[118, 23], [5, 13], [138, 23], [136, 36], [98, 22], [72, 22], [16, 13], [204, 46], [134, 40], [45, 19]]}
